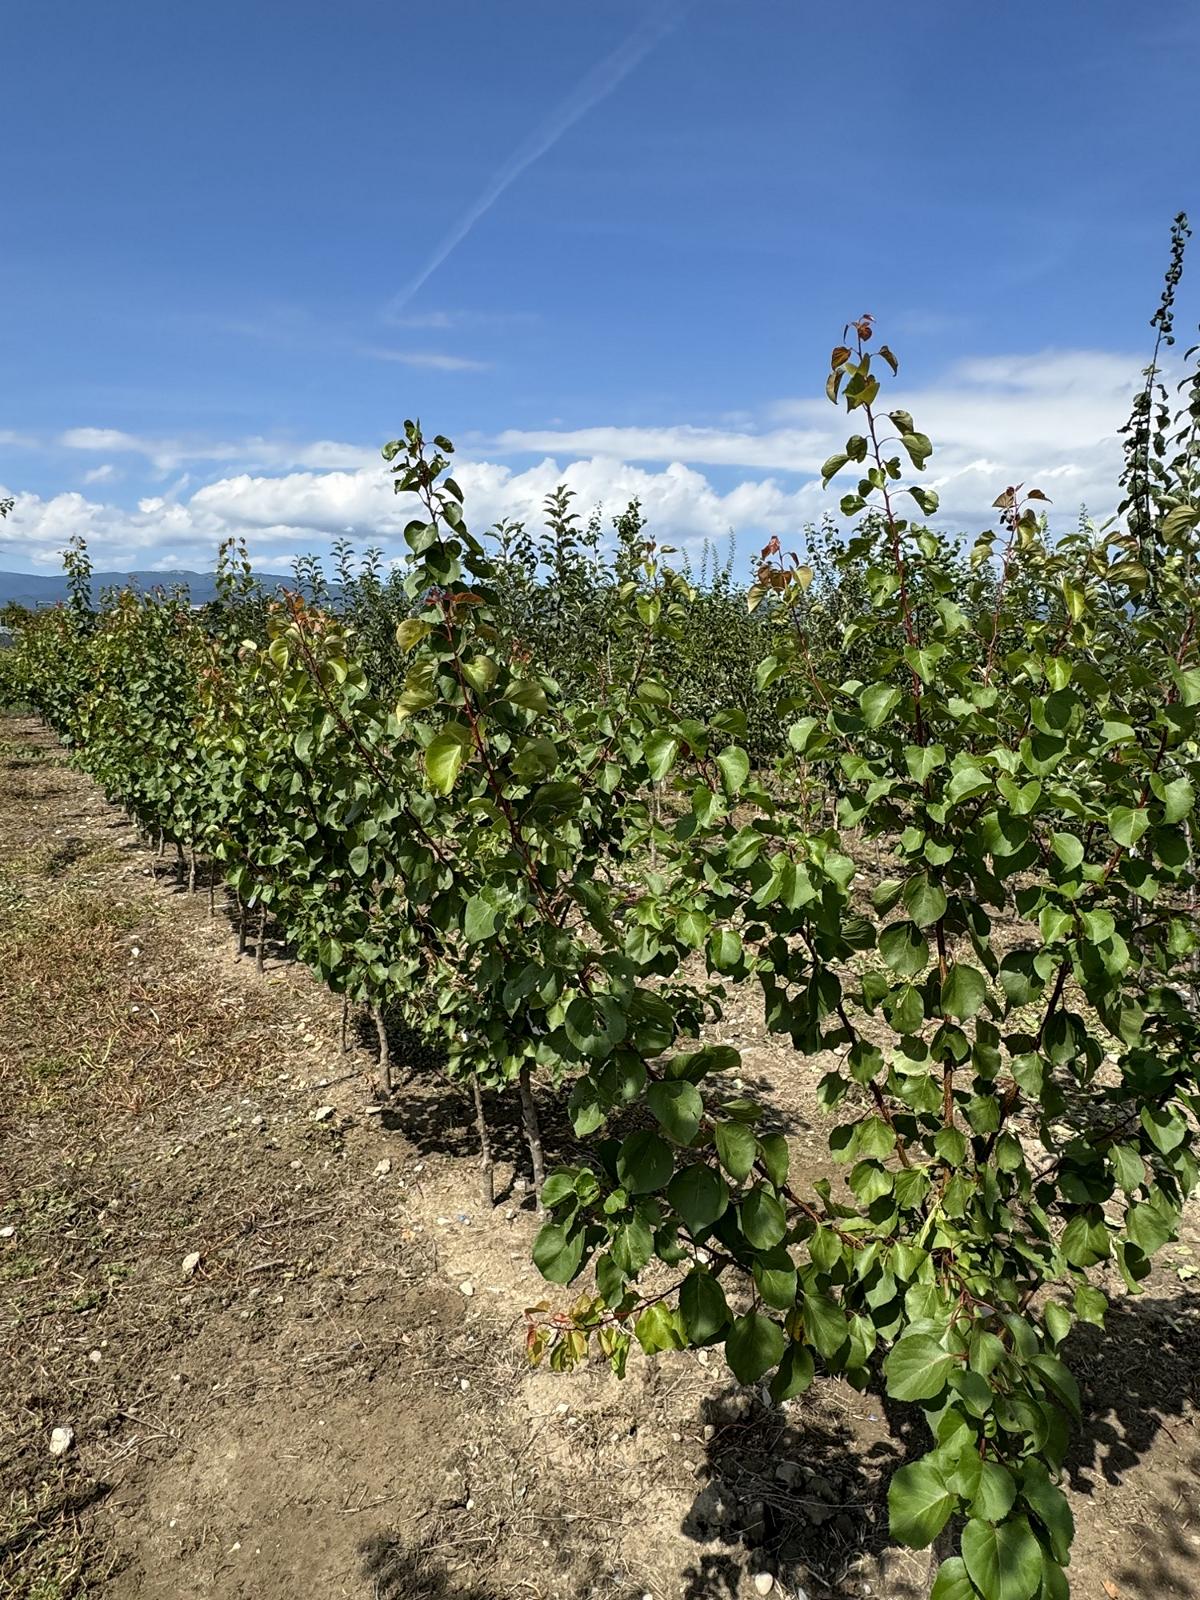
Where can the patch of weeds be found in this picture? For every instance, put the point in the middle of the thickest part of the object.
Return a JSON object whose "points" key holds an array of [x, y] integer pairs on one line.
{"points": [[18, 1266], [67, 975]]}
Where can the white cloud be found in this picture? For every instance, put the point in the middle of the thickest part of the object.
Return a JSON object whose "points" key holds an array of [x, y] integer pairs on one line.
{"points": [[1048, 420], [261, 454], [444, 320], [102, 474], [434, 360], [779, 449]]}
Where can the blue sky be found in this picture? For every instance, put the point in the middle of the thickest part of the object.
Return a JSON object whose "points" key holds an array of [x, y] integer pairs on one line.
{"points": [[659, 215]]}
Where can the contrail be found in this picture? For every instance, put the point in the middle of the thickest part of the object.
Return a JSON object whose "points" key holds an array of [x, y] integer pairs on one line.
{"points": [[599, 82]]}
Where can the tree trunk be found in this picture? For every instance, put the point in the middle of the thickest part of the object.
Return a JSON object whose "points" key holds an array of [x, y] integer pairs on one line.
{"points": [[487, 1172], [179, 861], [533, 1133], [162, 845], [260, 950], [191, 869], [344, 1043], [241, 905], [385, 1054]]}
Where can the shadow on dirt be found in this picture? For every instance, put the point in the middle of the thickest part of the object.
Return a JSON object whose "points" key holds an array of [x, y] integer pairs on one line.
{"points": [[397, 1572]]}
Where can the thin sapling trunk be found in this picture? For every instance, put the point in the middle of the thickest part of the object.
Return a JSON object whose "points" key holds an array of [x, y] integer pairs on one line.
{"points": [[533, 1132], [487, 1171], [385, 1053]]}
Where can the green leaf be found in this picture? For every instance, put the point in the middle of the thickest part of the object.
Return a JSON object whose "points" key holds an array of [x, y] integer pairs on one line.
{"points": [[1019, 977], [755, 1344], [1068, 849], [481, 673], [558, 1186], [905, 949], [445, 755], [774, 1152], [1149, 1229], [678, 1108], [725, 949], [359, 860], [1005, 1562], [702, 1306], [1090, 1304], [997, 1489], [656, 1330], [661, 750], [692, 928], [1165, 1126], [1085, 1239], [796, 1372], [919, 1503], [699, 1195], [1049, 1505], [528, 695], [1178, 798], [926, 498], [735, 767], [874, 1136], [926, 902], [736, 1148], [586, 1108], [952, 1582], [800, 734], [1128, 1167], [1059, 1380], [1127, 825], [776, 1278], [557, 1254], [763, 1219], [922, 760], [963, 992], [411, 631], [917, 1368], [1058, 1321], [644, 1162], [479, 919], [632, 1246], [877, 702]]}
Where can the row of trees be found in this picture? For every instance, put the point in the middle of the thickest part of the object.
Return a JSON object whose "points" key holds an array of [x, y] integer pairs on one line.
{"points": [[555, 865]]}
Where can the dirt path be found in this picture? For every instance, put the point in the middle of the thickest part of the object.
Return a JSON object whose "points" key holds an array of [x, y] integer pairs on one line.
{"points": [[287, 1343]]}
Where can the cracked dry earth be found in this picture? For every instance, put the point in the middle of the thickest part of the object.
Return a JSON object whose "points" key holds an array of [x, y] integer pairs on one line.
{"points": [[288, 1346]]}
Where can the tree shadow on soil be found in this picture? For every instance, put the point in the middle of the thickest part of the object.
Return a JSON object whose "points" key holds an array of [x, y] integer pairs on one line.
{"points": [[801, 1491], [397, 1571], [1140, 1379]]}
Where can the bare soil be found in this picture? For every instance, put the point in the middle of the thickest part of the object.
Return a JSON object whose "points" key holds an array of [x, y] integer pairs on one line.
{"points": [[288, 1346]]}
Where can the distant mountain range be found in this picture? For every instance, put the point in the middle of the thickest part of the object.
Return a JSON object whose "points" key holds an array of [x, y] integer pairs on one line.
{"points": [[34, 589]]}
